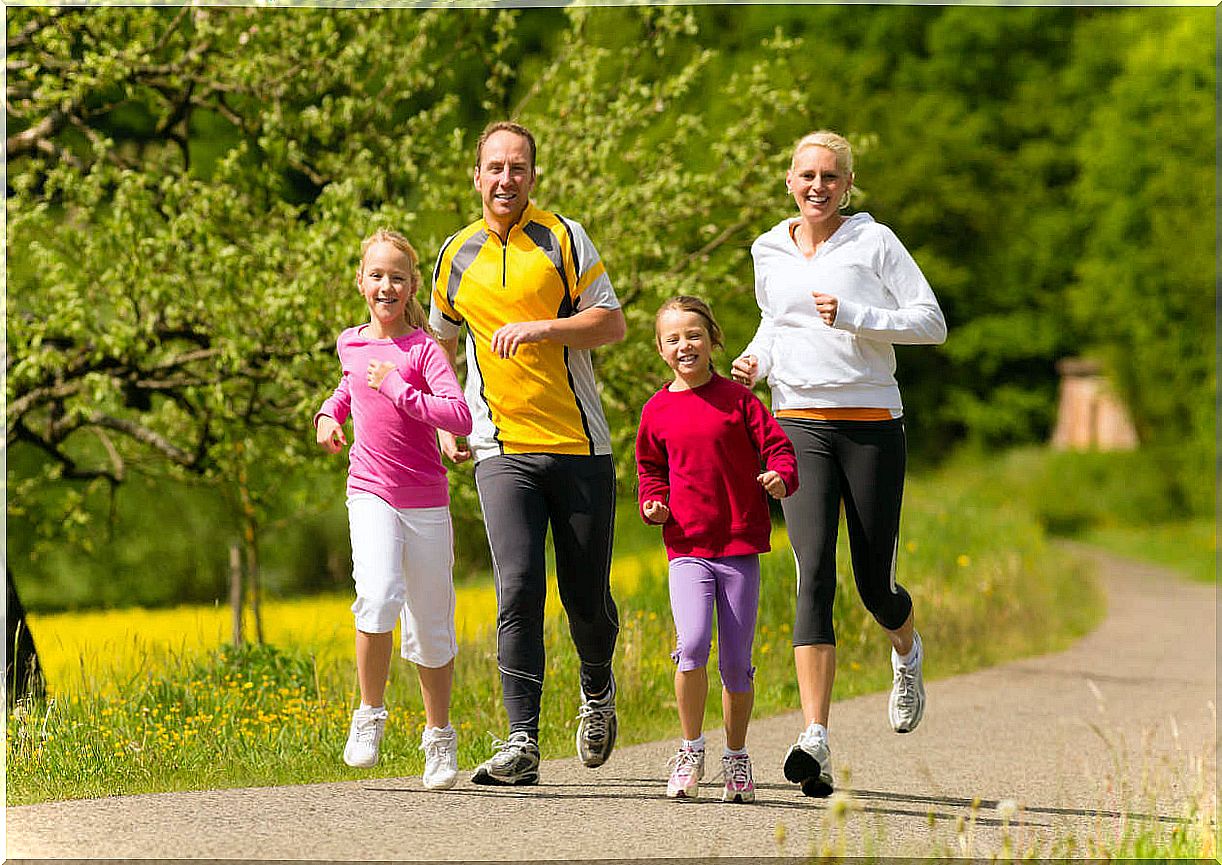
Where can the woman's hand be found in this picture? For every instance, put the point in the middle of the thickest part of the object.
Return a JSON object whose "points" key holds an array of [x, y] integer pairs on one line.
{"points": [[377, 372], [745, 369], [771, 481], [827, 306], [655, 512]]}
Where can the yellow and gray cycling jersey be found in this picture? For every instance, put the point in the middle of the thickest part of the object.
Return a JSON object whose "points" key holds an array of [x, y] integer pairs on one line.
{"points": [[543, 399]]}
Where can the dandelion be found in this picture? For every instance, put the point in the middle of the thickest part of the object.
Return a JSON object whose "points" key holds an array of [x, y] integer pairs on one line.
{"points": [[964, 560], [839, 804], [1007, 809]]}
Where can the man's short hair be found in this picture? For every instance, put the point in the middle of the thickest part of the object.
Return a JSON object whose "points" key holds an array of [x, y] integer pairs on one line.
{"points": [[505, 126]]}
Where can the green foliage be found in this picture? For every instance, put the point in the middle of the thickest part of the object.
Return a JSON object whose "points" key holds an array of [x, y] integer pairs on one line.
{"points": [[1145, 283], [187, 188]]}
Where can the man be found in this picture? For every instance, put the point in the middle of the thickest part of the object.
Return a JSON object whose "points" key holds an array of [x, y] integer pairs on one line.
{"points": [[535, 297]]}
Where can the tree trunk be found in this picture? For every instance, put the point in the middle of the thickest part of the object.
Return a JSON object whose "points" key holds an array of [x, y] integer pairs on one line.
{"points": [[235, 591], [252, 578], [22, 671]]}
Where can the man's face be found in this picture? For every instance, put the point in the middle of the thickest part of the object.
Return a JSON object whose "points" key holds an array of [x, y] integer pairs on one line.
{"points": [[504, 177]]}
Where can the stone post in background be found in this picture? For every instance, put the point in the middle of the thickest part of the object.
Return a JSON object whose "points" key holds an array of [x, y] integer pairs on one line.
{"points": [[1089, 414]]}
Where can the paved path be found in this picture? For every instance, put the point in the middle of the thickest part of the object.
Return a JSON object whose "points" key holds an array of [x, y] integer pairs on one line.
{"points": [[1117, 730]]}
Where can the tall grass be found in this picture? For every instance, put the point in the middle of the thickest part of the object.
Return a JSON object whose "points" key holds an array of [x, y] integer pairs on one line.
{"points": [[167, 713]]}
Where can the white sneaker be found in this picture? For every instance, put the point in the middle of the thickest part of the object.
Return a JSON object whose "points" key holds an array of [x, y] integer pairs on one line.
{"points": [[907, 704], [740, 784], [440, 747], [686, 772], [809, 763], [365, 738]]}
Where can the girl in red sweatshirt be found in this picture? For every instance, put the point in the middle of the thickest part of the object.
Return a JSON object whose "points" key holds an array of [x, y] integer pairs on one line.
{"points": [[708, 453]]}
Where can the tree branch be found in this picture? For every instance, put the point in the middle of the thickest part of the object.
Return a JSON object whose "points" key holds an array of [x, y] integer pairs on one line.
{"points": [[143, 435]]}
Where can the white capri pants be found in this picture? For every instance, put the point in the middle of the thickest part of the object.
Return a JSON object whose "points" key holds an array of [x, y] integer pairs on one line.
{"points": [[402, 564]]}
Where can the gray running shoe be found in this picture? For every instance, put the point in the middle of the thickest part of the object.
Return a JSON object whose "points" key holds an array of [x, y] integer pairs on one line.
{"points": [[907, 704], [597, 728], [515, 763], [809, 763]]}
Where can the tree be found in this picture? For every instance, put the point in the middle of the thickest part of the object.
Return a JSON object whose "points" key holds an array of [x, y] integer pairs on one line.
{"points": [[188, 187], [1144, 287], [186, 192]]}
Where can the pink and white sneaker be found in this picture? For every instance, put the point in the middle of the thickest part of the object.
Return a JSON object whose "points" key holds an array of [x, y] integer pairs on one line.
{"points": [[685, 777], [740, 785]]}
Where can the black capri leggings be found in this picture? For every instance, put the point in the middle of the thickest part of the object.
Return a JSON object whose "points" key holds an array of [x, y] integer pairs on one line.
{"points": [[862, 464]]}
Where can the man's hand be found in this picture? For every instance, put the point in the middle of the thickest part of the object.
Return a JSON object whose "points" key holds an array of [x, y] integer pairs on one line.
{"points": [[329, 434], [455, 448], [655, 512], [771, 481], [510, 337], [745, 369]]}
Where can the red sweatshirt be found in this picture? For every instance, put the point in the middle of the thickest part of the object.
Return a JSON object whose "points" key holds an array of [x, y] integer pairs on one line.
{"points": [[699, 452]]}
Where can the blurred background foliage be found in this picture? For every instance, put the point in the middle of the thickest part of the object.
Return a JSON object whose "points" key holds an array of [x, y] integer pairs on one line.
{"points": [[187, 188]]}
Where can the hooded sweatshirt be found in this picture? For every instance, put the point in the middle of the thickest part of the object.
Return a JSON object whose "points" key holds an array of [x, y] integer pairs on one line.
{"points": [[883, 300]]}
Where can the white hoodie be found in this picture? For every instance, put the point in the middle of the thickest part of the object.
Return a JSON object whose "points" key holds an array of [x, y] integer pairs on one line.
{"points": [[883, 299]]}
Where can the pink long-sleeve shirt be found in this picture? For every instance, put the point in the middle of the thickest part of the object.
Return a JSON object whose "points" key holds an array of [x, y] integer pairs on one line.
{"points": [[699, 452], [395, 455]]}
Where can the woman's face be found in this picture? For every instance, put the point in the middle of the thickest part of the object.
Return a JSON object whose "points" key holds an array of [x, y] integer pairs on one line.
{"points": [[817, 183]]}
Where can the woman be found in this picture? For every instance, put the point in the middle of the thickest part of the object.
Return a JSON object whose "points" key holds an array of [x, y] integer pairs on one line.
{"points": [[835, 293]]}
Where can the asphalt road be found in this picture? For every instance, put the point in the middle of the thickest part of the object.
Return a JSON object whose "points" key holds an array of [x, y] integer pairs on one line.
{"points": [[1112, 735]]}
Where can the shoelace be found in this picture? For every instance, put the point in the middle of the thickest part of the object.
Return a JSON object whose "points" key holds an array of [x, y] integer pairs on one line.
{"points": [[906, 678], [687, 760], [367, 727], [435, 748], [737, 770], [502, 746], [595, 718]]}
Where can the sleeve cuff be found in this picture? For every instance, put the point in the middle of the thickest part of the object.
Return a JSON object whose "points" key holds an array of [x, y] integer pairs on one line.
{"points": [[849, 316], [393, 387]]}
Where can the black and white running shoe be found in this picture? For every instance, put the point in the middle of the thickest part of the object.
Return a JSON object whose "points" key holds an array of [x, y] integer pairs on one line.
{"points": [[515, 763], [597, 728], [809, 764]]}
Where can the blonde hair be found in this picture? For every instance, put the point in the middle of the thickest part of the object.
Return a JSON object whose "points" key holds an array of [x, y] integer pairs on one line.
{"points": [[413, 312], [840, 148], [687, 303]]}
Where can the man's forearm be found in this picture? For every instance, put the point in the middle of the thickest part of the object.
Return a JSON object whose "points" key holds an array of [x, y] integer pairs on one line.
{"points": [[589, 328]]}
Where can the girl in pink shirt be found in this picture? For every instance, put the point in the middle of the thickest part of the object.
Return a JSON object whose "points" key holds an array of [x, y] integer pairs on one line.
{"points": [[707, 451], [399, 389]]}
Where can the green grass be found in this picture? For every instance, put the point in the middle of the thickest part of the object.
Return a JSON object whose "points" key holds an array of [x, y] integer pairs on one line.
{"points": [[983, 577], [1189, 547], [1145, 504]]}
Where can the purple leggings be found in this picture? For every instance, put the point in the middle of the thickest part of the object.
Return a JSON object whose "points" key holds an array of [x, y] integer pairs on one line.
{"points": [[732, 584]]}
